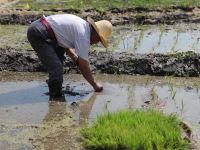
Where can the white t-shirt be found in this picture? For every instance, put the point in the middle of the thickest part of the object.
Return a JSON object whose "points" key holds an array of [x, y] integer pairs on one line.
{"points": [[71, 32]]}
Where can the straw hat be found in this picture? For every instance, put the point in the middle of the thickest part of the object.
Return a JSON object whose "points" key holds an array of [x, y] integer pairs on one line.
{"points": [[103, 28]]}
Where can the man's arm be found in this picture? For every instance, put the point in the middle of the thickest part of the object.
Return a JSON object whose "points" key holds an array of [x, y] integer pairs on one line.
{"points": [[71, 53], [85, 69]]}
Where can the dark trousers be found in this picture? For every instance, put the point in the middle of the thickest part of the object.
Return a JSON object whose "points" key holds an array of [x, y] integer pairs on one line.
{"points": [[51, 57]]}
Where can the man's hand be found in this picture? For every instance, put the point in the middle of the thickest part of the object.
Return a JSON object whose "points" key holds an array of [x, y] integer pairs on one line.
{"points": [[98, 87], [85, 70]]}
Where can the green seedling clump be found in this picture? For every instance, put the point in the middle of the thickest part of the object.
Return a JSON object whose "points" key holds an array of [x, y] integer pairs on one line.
{"points": [[135, 130]]}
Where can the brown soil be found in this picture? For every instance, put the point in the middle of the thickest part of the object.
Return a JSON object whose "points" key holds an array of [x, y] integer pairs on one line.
{"points": [[180, 64], [115, 15]]}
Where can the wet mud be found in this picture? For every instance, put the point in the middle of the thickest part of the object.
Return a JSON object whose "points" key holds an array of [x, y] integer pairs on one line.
{"points": [[179, 64], [115, 15], [46, 126]]}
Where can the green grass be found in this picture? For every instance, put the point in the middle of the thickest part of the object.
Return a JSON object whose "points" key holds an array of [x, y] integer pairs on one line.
{"points": [[139, 130], [104, 4]]}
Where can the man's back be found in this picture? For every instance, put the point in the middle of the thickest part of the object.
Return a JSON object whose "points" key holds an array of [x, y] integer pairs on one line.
{"points": [[71, 32]]}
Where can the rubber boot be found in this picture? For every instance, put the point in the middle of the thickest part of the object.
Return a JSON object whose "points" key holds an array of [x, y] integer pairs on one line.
{"points": [[55, 90]]}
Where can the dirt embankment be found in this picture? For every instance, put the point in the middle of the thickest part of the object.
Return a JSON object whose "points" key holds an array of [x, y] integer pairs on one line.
{"points": [[181, 64], [115, 15]]}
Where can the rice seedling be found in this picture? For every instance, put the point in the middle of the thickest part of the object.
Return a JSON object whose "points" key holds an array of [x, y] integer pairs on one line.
{"points": [[134, 130]]}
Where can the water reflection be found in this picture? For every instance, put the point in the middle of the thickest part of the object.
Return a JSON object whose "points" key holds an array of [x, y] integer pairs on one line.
{"points": [[157, 39], [24, 92], [28, 119], [85, 108], [53, 130], [18, 93]]}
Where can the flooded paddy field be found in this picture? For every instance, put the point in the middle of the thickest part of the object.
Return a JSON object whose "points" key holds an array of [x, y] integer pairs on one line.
{"points": [[156, 38], [153, 41], [130, 38], [30, 121]]}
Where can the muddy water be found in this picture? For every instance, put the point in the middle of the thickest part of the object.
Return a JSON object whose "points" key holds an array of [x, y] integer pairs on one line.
{"points": [[156, 39], [133, 39], [28, 120]]}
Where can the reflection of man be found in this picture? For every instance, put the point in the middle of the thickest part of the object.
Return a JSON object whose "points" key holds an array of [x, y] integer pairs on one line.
{"points": [[51, 36], [85, 109], [56, 109], [55, 131]]}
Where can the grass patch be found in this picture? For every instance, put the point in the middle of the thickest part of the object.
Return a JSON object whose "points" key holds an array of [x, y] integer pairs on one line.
{"points": [[104, 4], [135, 130]]}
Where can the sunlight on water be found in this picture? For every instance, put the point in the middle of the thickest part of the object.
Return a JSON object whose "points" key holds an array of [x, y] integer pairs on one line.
{"points": [[156, 39]]}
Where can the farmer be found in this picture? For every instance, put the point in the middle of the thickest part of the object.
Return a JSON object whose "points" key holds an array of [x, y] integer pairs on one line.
{"points": [[54, 35]]}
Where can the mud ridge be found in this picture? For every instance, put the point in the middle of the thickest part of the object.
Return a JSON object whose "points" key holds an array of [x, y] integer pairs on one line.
{"points": [[180, 64], [115, 15]]}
